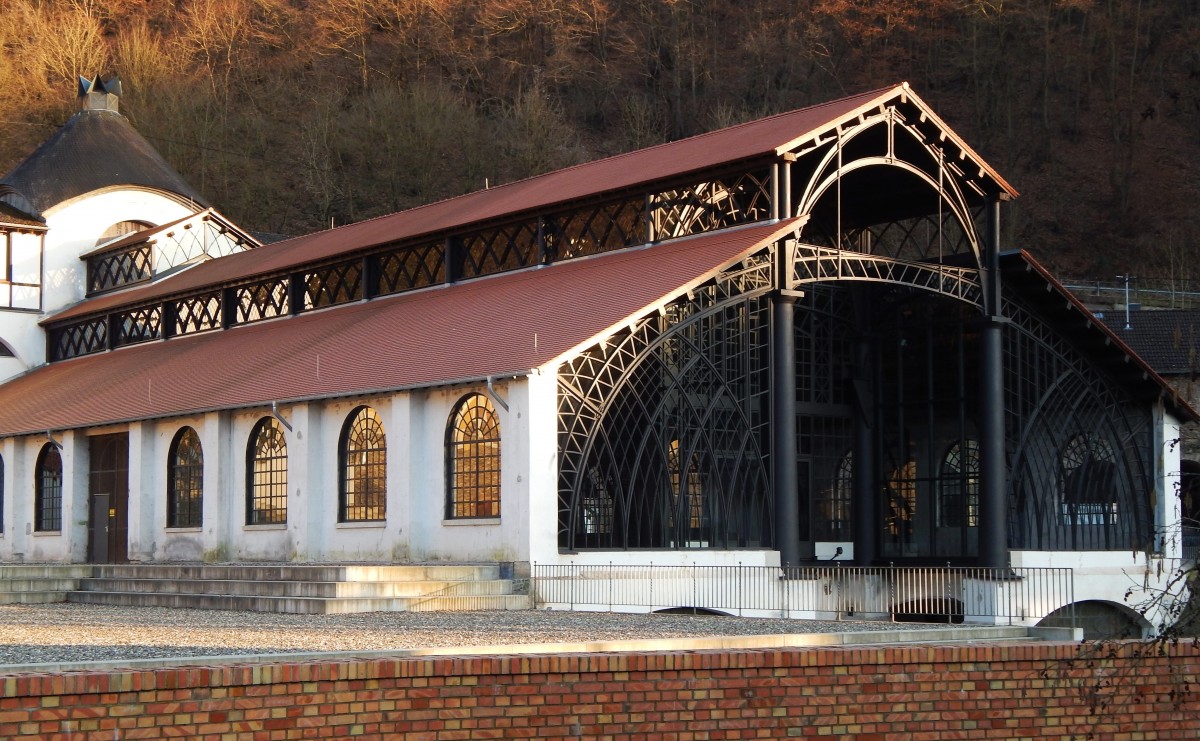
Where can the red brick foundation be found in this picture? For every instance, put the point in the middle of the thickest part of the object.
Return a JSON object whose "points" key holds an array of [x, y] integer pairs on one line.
{"points": [[917, 692]]}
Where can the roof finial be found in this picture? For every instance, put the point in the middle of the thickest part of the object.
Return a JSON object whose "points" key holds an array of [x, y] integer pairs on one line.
{"points": [[95, 95]]}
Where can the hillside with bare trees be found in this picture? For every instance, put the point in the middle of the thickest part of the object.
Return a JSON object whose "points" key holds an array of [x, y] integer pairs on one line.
{"points": [[294, 114]]}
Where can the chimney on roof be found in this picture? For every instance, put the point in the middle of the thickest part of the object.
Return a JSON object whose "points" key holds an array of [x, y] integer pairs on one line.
{"points": [[95, 95]]}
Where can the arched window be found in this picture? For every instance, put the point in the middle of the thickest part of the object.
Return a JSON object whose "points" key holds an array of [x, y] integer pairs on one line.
{"points": [[1, 494], [473, 460], [122, 229], [959, 486], [833, 504], [266, 474], [362, 458], [47, 494], [1088, 481], [185, 480]]}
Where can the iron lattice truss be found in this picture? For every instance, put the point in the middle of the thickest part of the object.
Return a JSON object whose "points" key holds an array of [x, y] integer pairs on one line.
{"points": [[663, 428], [813, 264]]}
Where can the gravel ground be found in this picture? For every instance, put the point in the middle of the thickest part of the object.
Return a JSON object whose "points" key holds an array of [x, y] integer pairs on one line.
{"points": [[64, 632]]}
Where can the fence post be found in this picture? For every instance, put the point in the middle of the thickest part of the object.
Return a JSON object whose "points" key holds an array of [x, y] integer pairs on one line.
{"points": [[610, 586]]}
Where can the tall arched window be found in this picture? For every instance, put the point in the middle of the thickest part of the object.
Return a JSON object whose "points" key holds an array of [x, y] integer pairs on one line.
{"points": [[47, 490], [473, 459], [362, 458], [959, 486], [266, 474], [1088, 474], [185, 480]]}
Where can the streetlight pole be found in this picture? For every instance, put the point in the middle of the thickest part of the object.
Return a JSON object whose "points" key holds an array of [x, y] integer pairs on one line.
{"points": [[1127, 277]]}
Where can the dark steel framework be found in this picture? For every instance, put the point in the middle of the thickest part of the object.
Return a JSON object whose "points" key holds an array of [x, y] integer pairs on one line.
{"points": [[362, 460], [915, 387], [473, 460], [664, 428], [47, 494], [266, 474], [185, 480]]}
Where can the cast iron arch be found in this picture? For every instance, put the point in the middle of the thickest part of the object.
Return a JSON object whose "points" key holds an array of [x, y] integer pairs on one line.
{"points": [[185, 480], [362, 466]]}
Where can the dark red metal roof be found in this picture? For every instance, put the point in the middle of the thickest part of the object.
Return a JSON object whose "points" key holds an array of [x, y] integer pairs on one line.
{"points": [[501, 325], [762, 138]]}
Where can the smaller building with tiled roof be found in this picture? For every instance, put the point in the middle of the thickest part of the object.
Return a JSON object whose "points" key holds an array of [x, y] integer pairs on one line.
{"points": [[93, 182]]}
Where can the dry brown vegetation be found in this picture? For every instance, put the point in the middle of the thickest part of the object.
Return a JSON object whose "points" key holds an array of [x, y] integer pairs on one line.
{"points": [[291, 113]]}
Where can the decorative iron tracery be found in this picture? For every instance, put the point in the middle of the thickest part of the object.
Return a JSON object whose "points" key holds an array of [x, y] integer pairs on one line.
{"points": [[500, 249], [362, 462], [80, 338], [47, 494], [603, 228], [333, 284], [663, 427], [266, 474], [120, 268], [196, 314], [411, 267], [137, 325], [473, 459], [185, 480], [710, 205], [958, 501], [263, 300], [1080, 447]]}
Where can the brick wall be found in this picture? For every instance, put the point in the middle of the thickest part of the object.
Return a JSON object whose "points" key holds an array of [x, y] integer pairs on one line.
{"points": [[924, 692]]}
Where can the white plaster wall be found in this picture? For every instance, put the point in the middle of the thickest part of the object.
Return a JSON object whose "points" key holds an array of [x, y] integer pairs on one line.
{"points": [[258, 542], [1132, 579], [541, 392], [75, 225], [7, 512], [434, 538], [382, 541], [1167, 507]]}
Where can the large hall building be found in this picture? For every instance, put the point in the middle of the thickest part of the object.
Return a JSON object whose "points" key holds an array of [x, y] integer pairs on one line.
{"points": [[795, 340]]}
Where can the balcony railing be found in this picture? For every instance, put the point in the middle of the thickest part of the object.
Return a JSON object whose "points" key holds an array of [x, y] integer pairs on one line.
{"points": [[824, 592]]}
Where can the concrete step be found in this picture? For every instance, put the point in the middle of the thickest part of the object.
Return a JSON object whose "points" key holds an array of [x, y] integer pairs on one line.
{"points": [[292, 588], [39, 583], [301, 572], [300, 605], [43, 571], [33, 597]]}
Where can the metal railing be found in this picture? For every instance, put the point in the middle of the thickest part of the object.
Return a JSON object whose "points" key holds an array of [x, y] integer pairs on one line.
{"points": [[1190, 536], [827, 591]]}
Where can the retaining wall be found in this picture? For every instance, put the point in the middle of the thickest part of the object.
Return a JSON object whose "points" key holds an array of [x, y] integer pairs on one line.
{"points": [[1026, 690]]}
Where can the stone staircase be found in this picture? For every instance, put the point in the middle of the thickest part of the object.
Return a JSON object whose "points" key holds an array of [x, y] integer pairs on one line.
{"points": [[291, 588], [30, 584]]}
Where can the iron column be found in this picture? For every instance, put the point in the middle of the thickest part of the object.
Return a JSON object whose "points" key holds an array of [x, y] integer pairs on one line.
{"points": [[783, 440], [993, 478]]}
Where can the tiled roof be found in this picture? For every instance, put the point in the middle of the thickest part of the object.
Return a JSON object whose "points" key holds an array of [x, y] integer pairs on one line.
{"points": [[501, 325], [1103, 345], [1167, 339], [767, 137], [93, 150], [12, 216]]}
